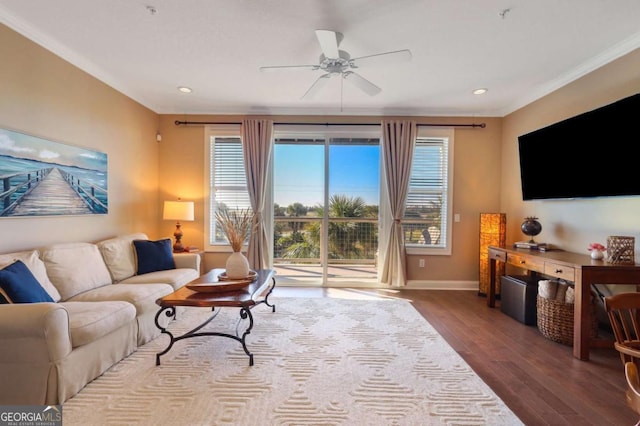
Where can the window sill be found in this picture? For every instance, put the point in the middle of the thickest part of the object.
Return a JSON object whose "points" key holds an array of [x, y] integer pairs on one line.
{"points": [[430, 251], [222, 248]]}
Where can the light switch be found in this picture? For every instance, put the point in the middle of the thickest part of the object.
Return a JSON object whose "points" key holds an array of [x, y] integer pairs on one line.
{"points": [[456, 217]]}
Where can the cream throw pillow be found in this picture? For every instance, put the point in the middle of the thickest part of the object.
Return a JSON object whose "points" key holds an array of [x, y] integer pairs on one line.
{"points": [[36, 266], [75, 268], [119, 255]]}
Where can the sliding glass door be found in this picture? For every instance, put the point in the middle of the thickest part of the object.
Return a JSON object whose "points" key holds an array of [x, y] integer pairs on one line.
{"points": [[326, 198], [299, 178], [353, 200]]}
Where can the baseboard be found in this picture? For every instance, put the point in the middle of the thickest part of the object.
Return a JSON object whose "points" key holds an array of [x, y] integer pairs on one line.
{"points": [[442, 285], [411, 284]]}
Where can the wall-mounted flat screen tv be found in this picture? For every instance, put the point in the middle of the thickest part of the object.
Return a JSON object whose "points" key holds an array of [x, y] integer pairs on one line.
{"points": [[590, 155]]}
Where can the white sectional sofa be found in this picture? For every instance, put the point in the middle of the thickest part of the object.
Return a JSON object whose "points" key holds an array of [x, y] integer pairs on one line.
{"points": [[102, 310]]}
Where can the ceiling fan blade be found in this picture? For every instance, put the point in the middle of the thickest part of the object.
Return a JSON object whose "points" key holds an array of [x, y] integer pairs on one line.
{"points": [[289, 68], [381, 58], [317, 86], [328, 43], [361, 83]]}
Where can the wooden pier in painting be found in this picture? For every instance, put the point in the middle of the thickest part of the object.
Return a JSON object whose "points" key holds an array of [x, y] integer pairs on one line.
{"points": [[54, 192]]}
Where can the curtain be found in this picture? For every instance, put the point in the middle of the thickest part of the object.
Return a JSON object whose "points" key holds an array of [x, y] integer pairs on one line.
{"points": [[257, 145], [398, 139]]}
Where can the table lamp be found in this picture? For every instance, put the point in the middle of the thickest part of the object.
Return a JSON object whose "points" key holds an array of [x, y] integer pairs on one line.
{"points": [[178, 210]]}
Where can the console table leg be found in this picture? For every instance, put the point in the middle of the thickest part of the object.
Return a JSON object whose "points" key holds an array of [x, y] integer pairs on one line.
{"points": [[582, 317], [491, 297]]}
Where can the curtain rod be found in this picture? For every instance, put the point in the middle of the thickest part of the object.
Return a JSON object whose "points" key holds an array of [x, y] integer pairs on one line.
{"points": [[480, 125]]}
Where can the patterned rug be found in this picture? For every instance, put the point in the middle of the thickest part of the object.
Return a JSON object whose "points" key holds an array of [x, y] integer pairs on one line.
{"points": [[317, 361]]}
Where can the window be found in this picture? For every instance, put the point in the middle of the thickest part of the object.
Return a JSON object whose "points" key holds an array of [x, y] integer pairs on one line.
{"points": [[427, 220], [426, 223], [227, 182]]}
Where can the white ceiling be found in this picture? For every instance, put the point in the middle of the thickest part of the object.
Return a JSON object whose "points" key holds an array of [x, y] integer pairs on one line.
{"points": [[519, 50]]}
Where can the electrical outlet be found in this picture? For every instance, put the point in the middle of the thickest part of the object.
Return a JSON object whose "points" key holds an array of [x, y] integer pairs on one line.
{"points": [[421, 263]]}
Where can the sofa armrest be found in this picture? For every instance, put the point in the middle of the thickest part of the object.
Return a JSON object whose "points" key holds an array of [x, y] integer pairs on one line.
{"points": [[34, 333], [187, 260]]}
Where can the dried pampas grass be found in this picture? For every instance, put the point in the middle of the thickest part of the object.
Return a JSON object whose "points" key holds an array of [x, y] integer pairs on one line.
{"points": [[235, 224]]}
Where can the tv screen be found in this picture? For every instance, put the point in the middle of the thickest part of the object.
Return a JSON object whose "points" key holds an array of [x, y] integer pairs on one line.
{"points": [[590, 155]]}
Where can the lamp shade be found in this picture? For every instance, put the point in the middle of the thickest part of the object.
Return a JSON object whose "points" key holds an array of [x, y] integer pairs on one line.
{"points": [[178, 210]]}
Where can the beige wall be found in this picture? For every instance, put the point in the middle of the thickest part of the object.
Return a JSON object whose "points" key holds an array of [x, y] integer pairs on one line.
{"points": [[476, 183], [572, 224], [44, 96]]}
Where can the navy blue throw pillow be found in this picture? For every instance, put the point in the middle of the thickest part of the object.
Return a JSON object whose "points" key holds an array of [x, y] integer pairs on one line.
{"points": [[20, 286], [154, 255]]}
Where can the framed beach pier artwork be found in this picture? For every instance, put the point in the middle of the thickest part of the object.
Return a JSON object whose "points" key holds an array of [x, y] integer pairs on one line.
{"points": [[39, 177]]}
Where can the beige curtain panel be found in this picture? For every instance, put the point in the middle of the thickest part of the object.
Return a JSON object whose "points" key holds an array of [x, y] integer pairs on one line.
{"points": [[257, 145], [398, 138]]}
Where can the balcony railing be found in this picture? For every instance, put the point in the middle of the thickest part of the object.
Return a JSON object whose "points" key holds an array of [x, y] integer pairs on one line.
{"points": [[351, 249], [350, 240]]}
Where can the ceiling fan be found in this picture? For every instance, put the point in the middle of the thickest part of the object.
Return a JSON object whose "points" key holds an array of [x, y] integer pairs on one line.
{"points": [[336, 62]]}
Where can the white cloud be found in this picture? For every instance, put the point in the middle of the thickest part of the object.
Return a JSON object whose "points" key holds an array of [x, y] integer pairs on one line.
{"points": [[7, 144], [48, 155]]}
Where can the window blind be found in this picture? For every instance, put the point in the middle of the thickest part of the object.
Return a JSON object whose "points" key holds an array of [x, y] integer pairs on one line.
{"points": [[228, 182], [427, 194]]}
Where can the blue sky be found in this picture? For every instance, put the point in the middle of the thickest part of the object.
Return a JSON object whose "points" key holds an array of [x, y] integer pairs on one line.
{"points": [[299, 173]]}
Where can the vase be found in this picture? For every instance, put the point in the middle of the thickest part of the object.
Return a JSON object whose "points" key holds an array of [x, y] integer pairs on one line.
{"points": [[237, 266], [597, 254]]}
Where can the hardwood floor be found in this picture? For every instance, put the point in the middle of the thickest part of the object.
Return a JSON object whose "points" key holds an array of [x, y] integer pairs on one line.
{"points": [[538, 379]]}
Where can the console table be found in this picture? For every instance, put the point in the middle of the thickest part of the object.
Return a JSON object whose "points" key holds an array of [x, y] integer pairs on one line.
{"points": [[577, 268]]}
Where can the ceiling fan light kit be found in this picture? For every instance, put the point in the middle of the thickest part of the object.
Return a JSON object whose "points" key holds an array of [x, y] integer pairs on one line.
{"points": [[336, 62]]}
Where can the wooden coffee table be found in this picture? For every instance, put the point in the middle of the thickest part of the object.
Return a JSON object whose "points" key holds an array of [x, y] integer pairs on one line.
{"points": [[246, 298]]}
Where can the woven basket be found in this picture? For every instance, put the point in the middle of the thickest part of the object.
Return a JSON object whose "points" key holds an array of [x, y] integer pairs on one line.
{"points": [[555, 320]]}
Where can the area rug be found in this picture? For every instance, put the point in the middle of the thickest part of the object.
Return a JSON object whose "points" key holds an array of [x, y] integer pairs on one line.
{"points": [[317, 361]]}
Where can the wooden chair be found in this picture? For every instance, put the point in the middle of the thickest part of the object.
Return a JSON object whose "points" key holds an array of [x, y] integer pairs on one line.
{"points": [[624, 315], [633, 387]]}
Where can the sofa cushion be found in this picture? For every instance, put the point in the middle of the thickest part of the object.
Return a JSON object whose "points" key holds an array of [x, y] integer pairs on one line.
{"points": [[89, 321], [152, 256], [118, 254], [20, 286], [32, 260], [174, 277], [143, 297], [75, 267]]}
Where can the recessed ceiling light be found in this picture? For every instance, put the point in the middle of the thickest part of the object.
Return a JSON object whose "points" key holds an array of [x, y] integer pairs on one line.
{"points": [[184, 89], [480, 91]]}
